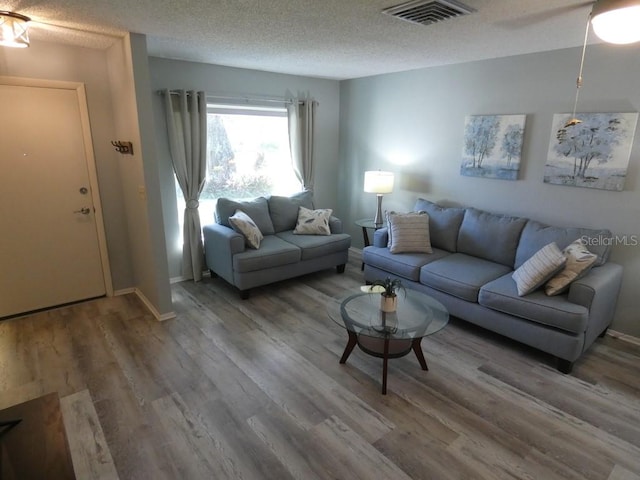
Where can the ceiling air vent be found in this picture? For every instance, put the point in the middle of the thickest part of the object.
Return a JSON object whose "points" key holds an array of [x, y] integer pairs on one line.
{"points": [[426, 12]]}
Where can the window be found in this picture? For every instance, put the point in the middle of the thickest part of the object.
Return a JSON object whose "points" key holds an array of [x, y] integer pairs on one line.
{"points": [[247, 156]]}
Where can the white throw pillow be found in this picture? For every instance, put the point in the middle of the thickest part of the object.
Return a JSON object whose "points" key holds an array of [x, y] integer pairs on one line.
{"points": [[579, 261], [409, 232], [544, 264], [242, 223], [313, 222]]}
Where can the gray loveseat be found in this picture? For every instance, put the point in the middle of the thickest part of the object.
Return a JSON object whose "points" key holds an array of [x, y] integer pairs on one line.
{"points": [[469, 271], [281, 254]]}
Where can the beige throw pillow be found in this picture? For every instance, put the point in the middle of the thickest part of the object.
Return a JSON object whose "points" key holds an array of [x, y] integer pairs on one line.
{"points": [[242, 223], [579, 262], [409, 232], [313, 222], [533, 273]]}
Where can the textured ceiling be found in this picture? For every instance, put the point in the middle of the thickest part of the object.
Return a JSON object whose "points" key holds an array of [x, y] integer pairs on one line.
{"points": [[336, 39]]}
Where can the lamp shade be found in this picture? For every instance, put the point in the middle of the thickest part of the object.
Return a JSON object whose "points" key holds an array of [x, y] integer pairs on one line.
{"points": [[617, 21], [377, 181], [13, 30]]}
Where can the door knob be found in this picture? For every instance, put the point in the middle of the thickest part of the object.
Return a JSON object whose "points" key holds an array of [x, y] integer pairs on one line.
{"points": [[83, 211]]}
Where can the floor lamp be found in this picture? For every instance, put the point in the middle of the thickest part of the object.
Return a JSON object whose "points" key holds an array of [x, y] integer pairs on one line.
{"points": [[378, 182]]}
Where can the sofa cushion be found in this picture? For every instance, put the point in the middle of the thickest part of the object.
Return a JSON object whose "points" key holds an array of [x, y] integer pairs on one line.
{"points": [[461, 275], [257, 209], [444, 223], [284, 210], [502, 295], [536, 235], [579, 261], [243, 224], [313, 222], [533, 273], [408, 232], [273, 252], [490, 236], [406, 265], [314, 246]]}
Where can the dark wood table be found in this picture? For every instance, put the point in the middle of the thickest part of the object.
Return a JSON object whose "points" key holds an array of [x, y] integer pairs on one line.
{"points": [[33, 441], [366, 223]]}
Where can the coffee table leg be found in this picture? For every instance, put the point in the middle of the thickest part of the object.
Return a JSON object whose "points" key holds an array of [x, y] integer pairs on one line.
{"points": [[385, 360], [353, 339], [415, 345]]}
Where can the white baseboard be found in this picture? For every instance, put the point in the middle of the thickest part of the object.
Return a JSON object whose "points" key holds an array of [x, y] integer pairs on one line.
{"points": [[124, 291], [161, 317], [205, 273], [624, 336]]}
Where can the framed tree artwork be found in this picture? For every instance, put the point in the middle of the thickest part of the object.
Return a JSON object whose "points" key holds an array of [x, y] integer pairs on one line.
{"points": [[593, 152], [493, 146]]}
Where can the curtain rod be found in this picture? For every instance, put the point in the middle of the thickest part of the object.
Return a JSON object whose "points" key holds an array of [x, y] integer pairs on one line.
{"points": [[243, 99]]}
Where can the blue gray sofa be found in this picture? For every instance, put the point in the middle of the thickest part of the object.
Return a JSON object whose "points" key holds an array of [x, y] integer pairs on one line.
{"points": [[469, 271], [282, 254]]}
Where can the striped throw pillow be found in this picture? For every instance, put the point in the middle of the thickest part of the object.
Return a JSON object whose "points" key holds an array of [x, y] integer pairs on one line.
{"points": [[544, 264], [409, 232]]}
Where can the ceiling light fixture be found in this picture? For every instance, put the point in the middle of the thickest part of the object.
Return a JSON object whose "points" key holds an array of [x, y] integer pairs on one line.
{"points": [[617, 21], [614, 21], [13, 30]]}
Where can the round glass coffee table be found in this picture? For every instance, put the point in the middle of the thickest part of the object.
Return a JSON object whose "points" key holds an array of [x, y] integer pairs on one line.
{"points": [[388, 335]]}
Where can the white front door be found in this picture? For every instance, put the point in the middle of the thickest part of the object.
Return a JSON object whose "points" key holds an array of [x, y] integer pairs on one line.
{"points": [[49, 249]]}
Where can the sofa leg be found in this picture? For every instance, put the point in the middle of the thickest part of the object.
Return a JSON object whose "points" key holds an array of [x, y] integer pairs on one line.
{"points": [[565, 366], [213, 274], [604, 332], [244, 294], [340, 268]]}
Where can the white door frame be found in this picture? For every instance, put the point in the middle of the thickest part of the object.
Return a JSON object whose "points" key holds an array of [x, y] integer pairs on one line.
{"points": [[88, 155]]}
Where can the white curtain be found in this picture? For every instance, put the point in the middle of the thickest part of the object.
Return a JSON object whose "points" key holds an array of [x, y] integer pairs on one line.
{"points": [[301, 113], [186, 114]]}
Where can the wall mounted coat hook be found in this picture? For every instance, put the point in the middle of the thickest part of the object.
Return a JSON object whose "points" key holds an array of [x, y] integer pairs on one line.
{"points": [[125, 148]]}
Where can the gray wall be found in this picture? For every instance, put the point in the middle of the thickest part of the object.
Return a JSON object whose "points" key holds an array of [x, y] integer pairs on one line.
{"points": [[129, 79], [220, 80], [412, 123]]}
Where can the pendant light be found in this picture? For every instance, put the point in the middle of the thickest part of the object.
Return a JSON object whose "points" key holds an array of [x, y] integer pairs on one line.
{"points": [[614, 21], [13, 30], [617, 21]]}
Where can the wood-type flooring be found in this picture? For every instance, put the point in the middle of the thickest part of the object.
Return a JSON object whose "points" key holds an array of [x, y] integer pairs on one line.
{"points": [[252, 389]]}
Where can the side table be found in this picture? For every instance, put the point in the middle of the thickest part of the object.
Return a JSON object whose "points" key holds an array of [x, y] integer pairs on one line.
{"points": [[366, 223]]}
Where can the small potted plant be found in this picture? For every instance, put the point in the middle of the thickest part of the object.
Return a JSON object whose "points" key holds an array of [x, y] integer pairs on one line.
{"points": [[387, 289]]}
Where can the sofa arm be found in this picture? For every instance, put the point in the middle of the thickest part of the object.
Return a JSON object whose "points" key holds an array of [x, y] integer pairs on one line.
{"points": [[335, 224], [598, 291], [380, 237], [220, 245]]}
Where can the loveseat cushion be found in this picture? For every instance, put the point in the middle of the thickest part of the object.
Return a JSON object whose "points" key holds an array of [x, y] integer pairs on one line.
{"points": [[273, 252], [461, 275], [284, 210], [444, 223], [257, 209], [502, 295], [314, 246], [491, 236], [406, 265], [536, 235]]}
